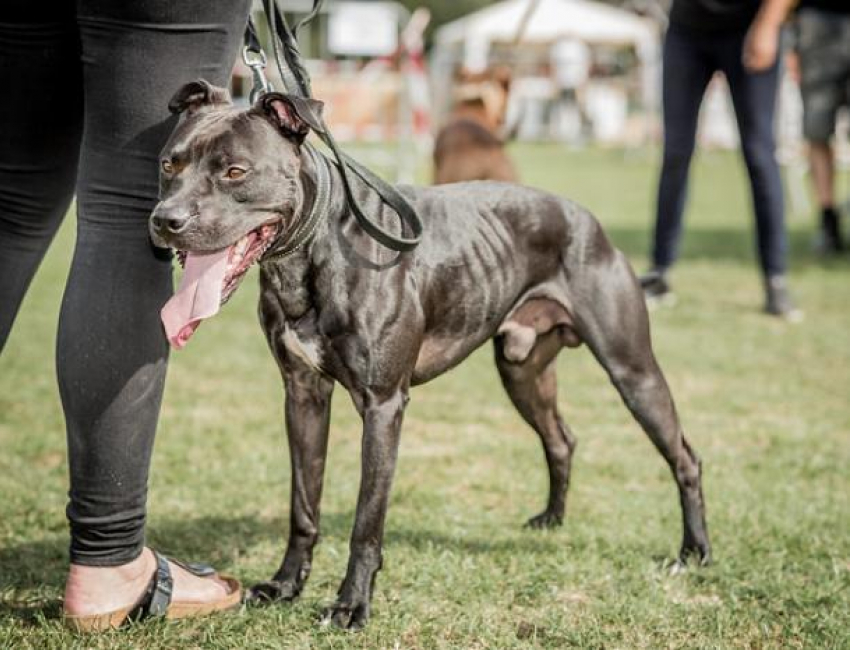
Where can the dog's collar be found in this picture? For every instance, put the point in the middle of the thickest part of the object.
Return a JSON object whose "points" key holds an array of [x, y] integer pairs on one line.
{"points": [[306, 228]]}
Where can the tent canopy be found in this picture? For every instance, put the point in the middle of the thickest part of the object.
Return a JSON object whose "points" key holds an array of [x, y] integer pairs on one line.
{"points": [[552, 20]]}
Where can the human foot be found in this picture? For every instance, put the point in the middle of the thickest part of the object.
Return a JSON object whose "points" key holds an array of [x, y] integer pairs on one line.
{"points": [[656, 289], [778, 301], [829, 240], [91, 591]]}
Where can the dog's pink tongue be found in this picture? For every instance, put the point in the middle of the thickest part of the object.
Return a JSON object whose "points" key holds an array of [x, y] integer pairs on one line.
{"points": [[198, 296]]}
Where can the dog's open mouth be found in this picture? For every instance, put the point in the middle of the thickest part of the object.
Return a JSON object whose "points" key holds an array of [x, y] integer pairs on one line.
{"points": [[209, 280], [243, 254]]}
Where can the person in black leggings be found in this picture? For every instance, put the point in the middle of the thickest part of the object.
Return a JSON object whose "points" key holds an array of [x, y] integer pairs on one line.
{"points": [[740, 39], [84, 88]]}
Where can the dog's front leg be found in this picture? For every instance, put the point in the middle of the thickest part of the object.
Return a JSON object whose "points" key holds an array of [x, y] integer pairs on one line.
{"points": [[308, 407], [381, 427]]}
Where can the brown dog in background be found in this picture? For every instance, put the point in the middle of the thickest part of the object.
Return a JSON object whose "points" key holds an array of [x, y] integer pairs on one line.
{"points": [[471, 145]]}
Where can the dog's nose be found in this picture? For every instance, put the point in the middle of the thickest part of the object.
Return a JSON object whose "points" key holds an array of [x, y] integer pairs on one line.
{"points": [[170, 222]]}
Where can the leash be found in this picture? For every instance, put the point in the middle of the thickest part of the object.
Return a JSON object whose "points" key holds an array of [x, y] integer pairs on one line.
{"points": [[290, 64]]}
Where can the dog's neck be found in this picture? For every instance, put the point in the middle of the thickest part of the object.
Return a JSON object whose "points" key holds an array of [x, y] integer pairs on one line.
{"points": [[291, 273], [316, 183], [337, 247]]}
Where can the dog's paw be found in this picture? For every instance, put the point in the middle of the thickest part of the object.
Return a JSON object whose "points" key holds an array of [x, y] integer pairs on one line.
{"points": [[347, 615], [545, 520], [696, 552], [674, 567], [273, 591], [689, 555]]}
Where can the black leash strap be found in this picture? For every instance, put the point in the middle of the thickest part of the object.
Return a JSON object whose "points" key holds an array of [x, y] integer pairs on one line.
{"points": [[290, 63], [287, 54]]}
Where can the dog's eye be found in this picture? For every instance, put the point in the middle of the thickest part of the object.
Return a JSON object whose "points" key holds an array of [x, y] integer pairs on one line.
{"points": [[167, 167], [235, 173]]}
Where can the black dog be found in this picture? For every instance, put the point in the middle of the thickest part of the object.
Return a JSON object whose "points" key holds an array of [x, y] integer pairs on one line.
{"points": [[529, 270]]}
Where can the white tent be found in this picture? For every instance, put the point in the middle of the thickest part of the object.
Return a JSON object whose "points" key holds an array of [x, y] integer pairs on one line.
{"points": [[551, 20]]}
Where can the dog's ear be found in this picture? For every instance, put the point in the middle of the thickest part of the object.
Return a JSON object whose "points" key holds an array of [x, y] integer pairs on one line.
{"points": [[196, 95], [293, 116]]}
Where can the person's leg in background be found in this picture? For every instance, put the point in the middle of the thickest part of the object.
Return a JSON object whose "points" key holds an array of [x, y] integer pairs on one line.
{"points": [[824, 79], [41, 117], [687, 69], [111, 353], [754, 98], [822, 170]]}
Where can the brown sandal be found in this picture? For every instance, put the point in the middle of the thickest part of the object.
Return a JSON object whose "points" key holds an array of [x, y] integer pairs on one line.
{"points": [[156, 601]]}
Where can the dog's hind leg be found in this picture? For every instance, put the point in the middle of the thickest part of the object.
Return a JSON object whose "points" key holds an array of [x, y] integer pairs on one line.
{"points": [[308, 407], [531, 384], [612, 320]]}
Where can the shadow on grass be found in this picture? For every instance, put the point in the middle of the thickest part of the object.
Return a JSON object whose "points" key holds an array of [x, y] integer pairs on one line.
{"points": [[32, 574], [30, 612], [212, 538], [529, 543], [727, 244]]}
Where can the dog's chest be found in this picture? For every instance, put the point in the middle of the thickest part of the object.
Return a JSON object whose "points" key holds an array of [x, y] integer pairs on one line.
{"points": [[305, 346], [289, 319]]}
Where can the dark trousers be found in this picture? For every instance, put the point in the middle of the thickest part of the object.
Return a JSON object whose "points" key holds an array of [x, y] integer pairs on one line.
{"points": [[84, 89], [690, 60]]}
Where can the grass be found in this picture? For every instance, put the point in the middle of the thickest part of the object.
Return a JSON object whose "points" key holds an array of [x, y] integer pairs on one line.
{"points": [[765, 404]]}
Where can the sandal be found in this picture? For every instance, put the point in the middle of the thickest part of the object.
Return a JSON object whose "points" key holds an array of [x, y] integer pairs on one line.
{"points": [[156, 601]]}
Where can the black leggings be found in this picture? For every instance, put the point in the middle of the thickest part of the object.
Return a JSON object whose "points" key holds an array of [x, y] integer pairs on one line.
{"points": [[690, 60], [83, 109]]}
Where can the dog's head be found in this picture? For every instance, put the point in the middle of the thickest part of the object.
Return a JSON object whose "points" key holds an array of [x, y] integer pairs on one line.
{"points": [[230, 179], [483, 95]]}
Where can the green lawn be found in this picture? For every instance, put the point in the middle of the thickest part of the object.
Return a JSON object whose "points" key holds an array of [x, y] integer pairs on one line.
{"points": [[766, 404]]}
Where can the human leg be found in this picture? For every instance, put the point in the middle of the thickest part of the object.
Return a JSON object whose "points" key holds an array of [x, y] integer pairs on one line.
{"points": [[111, 353], [41, 112], [822, 170], [754, 99], [686, 73], [824, 76]]}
